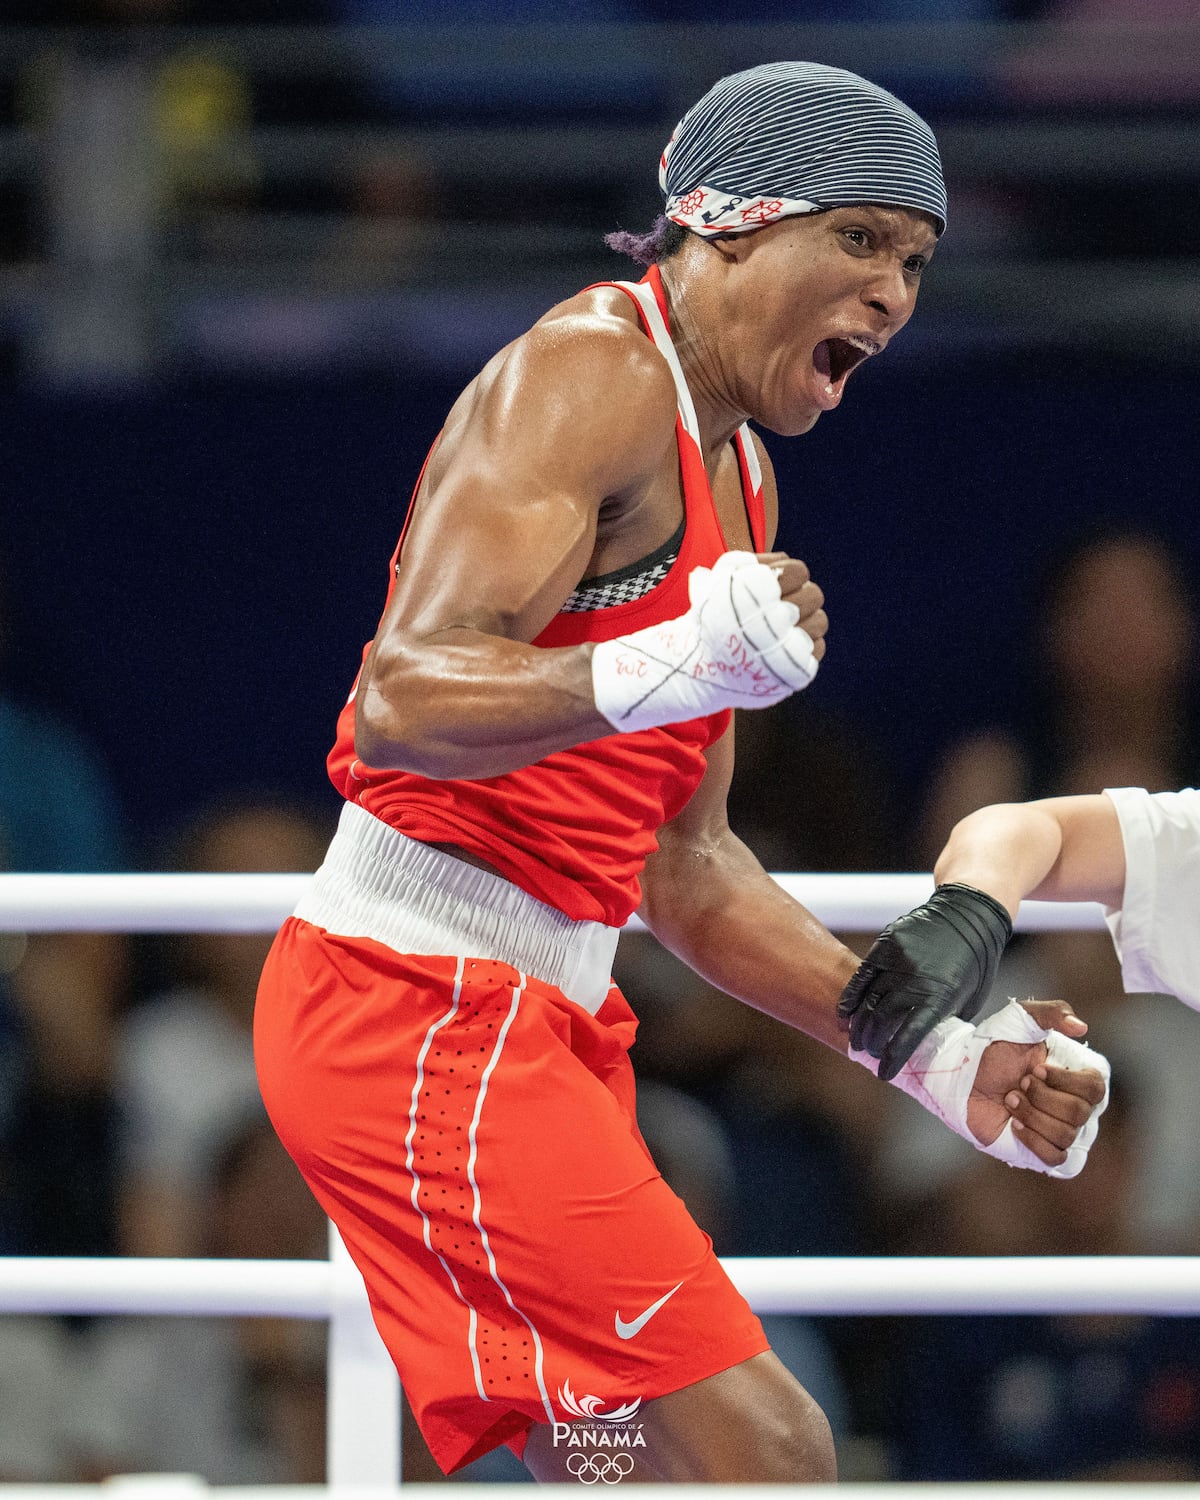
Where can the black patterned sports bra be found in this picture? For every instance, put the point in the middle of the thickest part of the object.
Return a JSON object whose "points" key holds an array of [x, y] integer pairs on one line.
{"points": [[628, 583]]}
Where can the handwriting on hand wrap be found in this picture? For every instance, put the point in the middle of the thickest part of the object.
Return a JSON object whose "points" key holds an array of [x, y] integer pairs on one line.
{"points": [[742, 665]]}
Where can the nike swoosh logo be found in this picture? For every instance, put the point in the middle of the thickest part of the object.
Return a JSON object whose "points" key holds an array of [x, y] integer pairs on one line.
{"points": [[628, 1330]]}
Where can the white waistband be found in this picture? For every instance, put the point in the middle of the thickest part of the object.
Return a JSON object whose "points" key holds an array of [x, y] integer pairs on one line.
{"points": [[377, 883]]}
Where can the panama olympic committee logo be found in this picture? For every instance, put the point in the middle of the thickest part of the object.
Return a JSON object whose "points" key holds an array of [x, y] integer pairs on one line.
{"points": [[600, 1468], [589, 1406], [601, 1441]]}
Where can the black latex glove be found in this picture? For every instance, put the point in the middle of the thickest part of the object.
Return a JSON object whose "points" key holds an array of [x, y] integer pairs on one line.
{"points": [[938, 961]]}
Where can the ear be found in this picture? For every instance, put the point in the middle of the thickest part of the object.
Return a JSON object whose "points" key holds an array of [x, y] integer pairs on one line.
{"points": [[732, 248]]}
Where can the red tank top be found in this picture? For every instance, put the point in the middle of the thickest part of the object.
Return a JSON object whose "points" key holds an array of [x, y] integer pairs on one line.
{"points": [[575, 829]]}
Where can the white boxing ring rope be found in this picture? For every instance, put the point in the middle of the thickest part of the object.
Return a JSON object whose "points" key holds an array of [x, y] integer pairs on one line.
{"points": [[1158, 1286], [363, 1392], [259, 903]]}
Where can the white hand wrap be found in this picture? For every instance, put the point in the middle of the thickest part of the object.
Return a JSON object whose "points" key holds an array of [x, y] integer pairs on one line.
{"points": [[738, 646], [941, 1073]]}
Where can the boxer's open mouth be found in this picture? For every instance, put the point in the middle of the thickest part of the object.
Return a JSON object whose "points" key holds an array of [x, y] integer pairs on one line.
{"points": [[833, 360], [836, 357]]}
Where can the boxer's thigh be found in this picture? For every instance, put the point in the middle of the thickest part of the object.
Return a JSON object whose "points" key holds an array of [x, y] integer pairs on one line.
{"points": [[751, 1423]]}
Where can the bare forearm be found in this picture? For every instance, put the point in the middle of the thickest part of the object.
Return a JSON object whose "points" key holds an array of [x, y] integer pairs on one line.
{"points": [[471, 705], [1006, 850], [723, 915], [1059, 849]]}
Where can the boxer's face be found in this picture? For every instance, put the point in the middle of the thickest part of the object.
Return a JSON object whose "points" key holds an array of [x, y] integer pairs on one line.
{"points": [[815, 295]]}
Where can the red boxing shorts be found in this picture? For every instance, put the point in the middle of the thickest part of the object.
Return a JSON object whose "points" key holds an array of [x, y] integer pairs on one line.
{"points": [[471, 1132]]}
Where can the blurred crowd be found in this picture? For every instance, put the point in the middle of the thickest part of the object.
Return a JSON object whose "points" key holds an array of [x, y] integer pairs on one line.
{"points": [[130, 1121], [450, 12], [179, 193], [198, 100]]}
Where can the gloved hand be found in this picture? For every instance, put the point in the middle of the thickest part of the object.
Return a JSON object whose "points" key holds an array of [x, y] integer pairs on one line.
{"points": [[938, 961]]}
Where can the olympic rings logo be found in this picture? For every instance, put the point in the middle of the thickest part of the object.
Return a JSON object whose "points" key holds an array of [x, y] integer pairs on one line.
{"points": [[598, 1468]]}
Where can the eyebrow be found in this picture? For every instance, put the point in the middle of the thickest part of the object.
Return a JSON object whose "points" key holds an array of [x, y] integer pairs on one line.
{"points": [[882, 215]]}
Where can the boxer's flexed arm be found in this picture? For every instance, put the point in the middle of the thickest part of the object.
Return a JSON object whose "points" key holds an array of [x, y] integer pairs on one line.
{"points": [[503, 529], [579, 413]]}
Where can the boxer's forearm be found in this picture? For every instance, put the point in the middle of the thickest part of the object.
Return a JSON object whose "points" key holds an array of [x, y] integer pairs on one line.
{"points": [[469, 705], [717, 909]]}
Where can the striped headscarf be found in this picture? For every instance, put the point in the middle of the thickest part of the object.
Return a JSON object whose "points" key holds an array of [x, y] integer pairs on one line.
{"points": [[794, 138]]}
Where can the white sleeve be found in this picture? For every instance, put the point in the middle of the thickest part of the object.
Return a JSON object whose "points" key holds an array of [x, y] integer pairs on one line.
{"points": [[1156, 929]]}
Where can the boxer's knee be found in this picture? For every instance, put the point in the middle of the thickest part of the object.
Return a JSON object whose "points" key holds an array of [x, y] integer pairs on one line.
{"points": [[753, 1423], [796, 1442]]}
